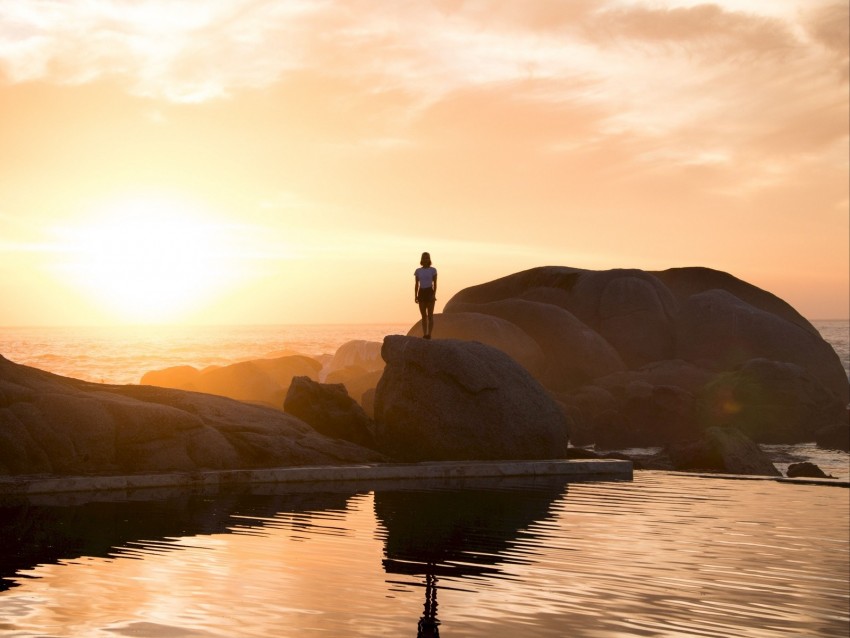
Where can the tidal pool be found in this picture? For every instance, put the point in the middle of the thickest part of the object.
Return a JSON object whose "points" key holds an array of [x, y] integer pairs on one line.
{"points": [[664, 555]]}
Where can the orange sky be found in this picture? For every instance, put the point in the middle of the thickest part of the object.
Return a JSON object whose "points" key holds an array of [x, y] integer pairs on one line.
{"points": [[286, 162]]}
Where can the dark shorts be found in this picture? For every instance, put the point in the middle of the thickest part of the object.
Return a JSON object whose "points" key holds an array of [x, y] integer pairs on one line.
{"points": [[426, 297]]}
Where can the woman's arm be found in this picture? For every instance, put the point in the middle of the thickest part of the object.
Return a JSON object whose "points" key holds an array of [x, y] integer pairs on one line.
{"points": [[416, 289]]}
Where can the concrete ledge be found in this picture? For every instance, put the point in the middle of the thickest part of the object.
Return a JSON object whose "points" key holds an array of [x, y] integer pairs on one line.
{"points": [[582, 469]]}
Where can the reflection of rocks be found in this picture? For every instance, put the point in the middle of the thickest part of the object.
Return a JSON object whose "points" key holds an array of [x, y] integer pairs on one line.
{"points": [[47, 533], [53, 424], [455, 400], [645, 358], [464, 531], [264, 381], [329, 410]]}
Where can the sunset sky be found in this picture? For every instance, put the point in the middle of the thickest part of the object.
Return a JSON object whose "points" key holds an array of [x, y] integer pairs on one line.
{"points": [[269, 162]]}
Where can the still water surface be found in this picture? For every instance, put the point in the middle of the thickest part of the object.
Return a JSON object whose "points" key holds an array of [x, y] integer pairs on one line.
{"points": [[665, 555]]}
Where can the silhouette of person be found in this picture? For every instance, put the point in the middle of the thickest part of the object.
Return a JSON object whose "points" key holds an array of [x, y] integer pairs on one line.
{"points": [[425, 292]]}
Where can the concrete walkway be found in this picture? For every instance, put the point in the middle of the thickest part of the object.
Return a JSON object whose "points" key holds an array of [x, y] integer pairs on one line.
{"points": [[583, 469]]}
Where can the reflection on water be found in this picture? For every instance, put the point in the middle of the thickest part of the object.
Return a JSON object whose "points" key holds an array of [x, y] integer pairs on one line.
{"points": [[664, 555]]}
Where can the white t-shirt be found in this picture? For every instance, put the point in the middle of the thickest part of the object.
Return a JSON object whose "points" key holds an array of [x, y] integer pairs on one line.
{"points": [[426, 276]]}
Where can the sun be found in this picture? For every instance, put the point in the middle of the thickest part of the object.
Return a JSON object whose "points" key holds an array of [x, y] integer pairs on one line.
{"points": [[147, 259]]}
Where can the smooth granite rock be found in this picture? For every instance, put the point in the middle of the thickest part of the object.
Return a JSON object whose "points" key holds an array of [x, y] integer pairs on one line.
{"points": [[574, 354], [58, 425], [451, 399], [771, 402], [489, 330], [695, 337]]}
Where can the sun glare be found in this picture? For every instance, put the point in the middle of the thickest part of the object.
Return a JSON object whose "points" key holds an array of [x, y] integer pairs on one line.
{"points": [[147, 259]]}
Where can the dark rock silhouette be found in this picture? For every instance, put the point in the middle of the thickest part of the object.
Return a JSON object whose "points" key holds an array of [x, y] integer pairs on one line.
{"points": [[58, 425], [448, 399], [725, 450], [770, 401], [329, 410], [575, 354], [835, 436], [262, 381], [647, 358], [805, 470]]}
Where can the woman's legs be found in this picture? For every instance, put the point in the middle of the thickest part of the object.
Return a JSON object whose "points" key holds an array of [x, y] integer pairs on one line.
{"points": [[430, 318], [426, 309], [423, 310]]}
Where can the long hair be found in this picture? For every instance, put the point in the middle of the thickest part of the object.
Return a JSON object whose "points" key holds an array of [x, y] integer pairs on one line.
{"points": [[425, 260]]}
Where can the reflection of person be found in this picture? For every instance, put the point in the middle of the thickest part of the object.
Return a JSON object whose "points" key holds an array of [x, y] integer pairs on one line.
{"points": [[425, 292], [429, 626]]}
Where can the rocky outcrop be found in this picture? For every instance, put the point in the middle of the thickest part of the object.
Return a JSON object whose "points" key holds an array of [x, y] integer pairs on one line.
{"points": [[451, 399], [646, 358], [329, 410], [723, 450], [57, 425], [262, 381]]}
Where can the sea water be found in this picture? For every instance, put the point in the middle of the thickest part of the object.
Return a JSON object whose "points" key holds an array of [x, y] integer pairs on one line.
{"points": [[665, 555], [123, 354]]}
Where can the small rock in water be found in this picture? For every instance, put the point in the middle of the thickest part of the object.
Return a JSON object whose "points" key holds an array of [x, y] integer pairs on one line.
{"points": [[806, 470]]}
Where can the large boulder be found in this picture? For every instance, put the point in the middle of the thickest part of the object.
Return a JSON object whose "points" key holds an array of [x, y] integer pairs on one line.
{"points": [[631, 309], [329, 410], [771, 402], [683, 331], [724, 450], [57, 425], [718, 330], [492, 331], [574, 353], [647, 415], [453, 400]]}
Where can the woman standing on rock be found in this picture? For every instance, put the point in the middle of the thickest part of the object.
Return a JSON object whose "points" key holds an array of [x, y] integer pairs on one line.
{"points": [[425, 292]]}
